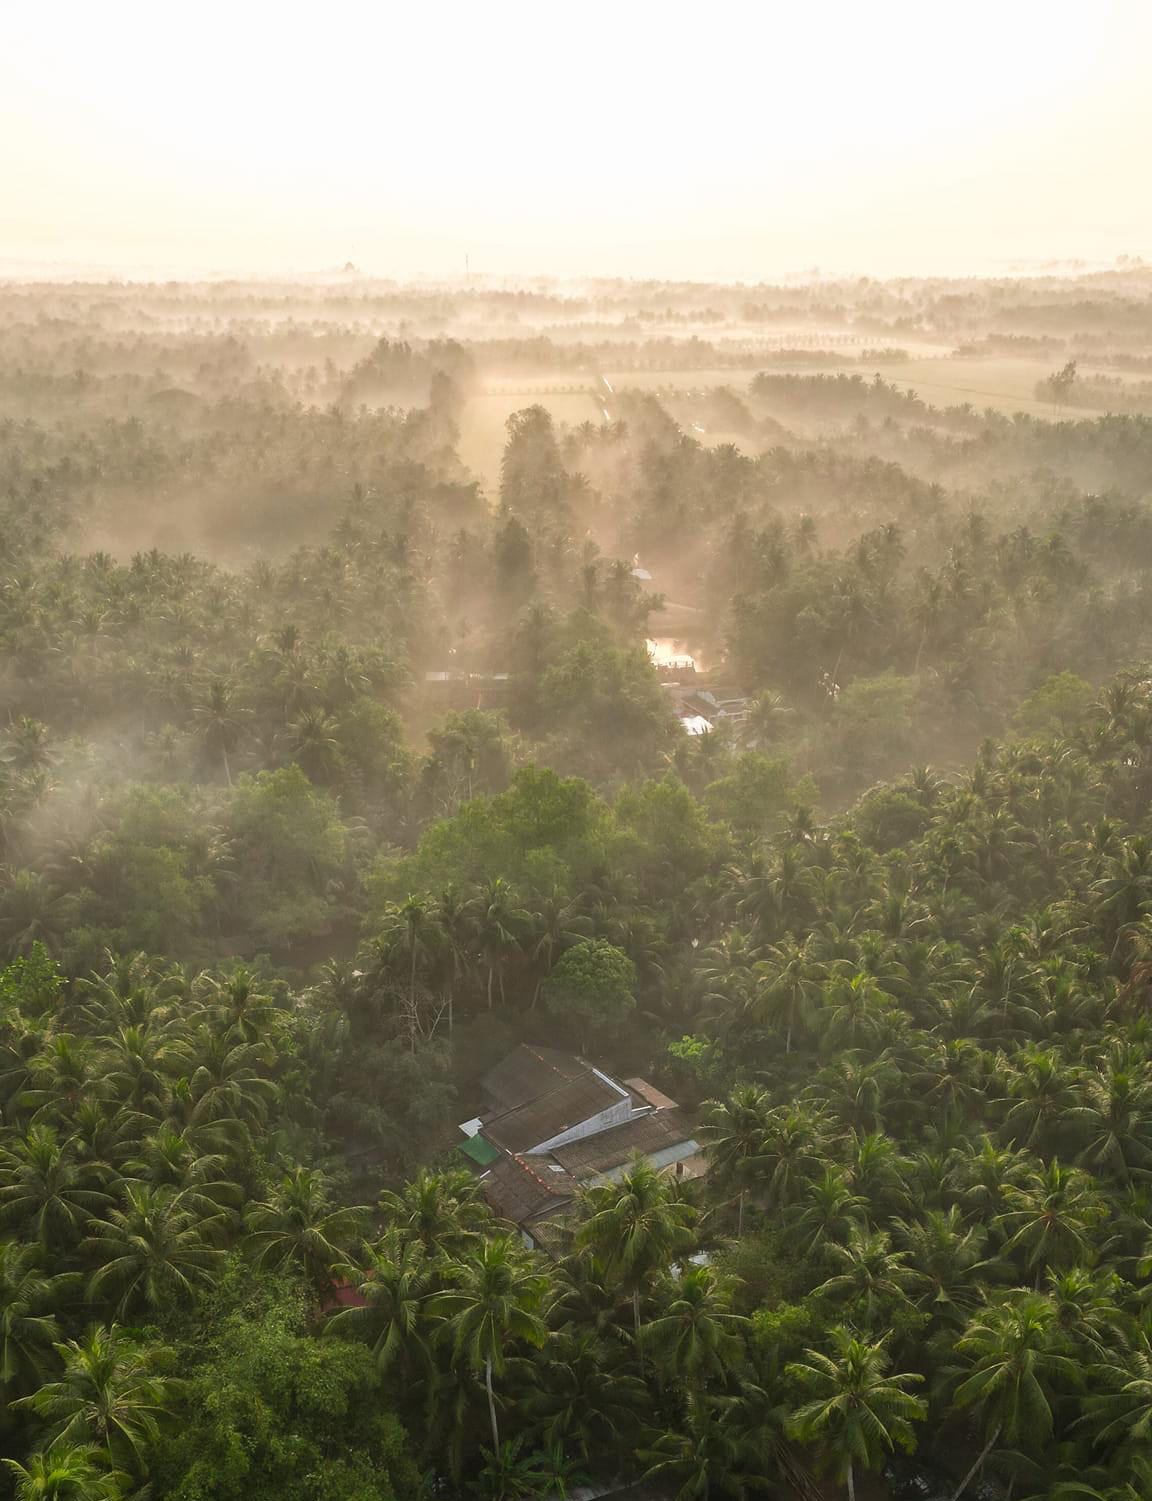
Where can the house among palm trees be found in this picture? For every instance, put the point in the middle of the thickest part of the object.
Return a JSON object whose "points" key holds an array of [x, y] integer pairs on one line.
{"points": [[692, 704], [554, 1124]]}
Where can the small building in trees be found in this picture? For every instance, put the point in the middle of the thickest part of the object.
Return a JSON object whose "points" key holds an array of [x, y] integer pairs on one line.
{"points": [[554, 1123]]}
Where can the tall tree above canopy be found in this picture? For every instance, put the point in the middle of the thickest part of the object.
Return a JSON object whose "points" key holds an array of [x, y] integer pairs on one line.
{"points": [[592, 987], [857, 1412], [532, 477]]}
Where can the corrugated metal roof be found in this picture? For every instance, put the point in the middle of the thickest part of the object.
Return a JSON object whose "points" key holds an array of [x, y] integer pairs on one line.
{"points": [[518, 1190], [647, 1134], [695, 724], [480, 1151], [567, 1105], [526, 1073], [650, 1095]]}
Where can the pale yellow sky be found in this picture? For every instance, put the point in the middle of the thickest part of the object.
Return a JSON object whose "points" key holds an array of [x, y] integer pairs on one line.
{"points": [[665, 139]]}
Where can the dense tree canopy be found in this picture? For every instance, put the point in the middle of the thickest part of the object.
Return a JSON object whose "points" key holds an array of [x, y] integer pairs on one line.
{"points": [[328, 773]]}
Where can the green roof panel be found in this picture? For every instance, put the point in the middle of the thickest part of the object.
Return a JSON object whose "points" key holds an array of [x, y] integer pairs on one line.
{"points": [[482, 1152]]}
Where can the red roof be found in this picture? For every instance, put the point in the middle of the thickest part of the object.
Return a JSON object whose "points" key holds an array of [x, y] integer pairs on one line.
{"points": [[343, 1295]]}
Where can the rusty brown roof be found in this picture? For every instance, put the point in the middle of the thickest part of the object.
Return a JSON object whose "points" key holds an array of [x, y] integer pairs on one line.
{"points": [[526, 1073], [519, 1190], [553, 1232], [646, 1134], [650, 1094], [564, 1106]]}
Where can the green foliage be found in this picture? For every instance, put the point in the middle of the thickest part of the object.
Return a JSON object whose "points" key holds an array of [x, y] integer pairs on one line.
{"points": [[289, 846], [856, 1412], [671, 839], [591, 987], [31, 985], [545, 830], [417, 758], [273, 1412], [889, 818], [603, 706], [1058, 707], [755, 796]]}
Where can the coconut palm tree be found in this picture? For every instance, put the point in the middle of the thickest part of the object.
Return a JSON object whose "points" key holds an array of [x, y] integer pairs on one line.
{"points": [[26, 745], [857, 1412], [857, 1089], [395, 1285], [142, 1059], [1118, 1408], [555, 923], [952, 1261], [1090, 1309], [579, 1392], [705, 1459], [794, 1152], [767, 720], [44, 1189], [868, 1275], [298, 1225], [153, 1250], [987, 1172], [66, 1472], [827, 1212], [636, 1227], [1114, 1120], [856, 1013], [1052, 1220], [411, 928], [736, 1133], [108, 1394], [454, 915], [787, 989], [443, 1212], [1042, 1096], [312, 740], [28, 1326], [695, 1335], [242, 1004], [32, 911], [168, 1158], [499, 923], [221, 723], [228, 1082], [498, 1302], [1012, 1359]]}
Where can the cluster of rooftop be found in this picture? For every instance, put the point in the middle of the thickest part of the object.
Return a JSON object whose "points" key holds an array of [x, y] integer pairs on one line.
{"points": [[553, 1124]]}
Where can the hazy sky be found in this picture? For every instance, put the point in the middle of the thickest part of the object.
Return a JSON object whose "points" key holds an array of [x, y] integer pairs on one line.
{"points": [[602, 136]]}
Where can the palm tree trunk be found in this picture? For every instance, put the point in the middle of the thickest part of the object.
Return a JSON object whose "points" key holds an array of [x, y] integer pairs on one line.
{"points": [[851, 1484], [412, 994], [491, 1405], [983, 1455], [490, 987], [740, 1212], [227, 767]]}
